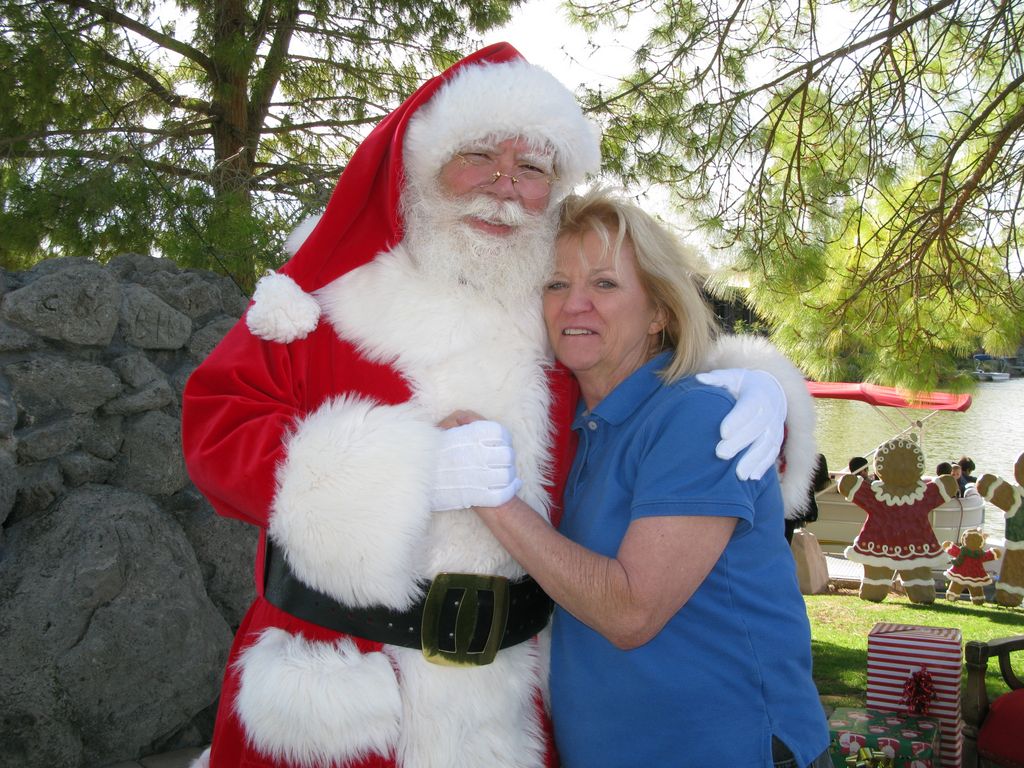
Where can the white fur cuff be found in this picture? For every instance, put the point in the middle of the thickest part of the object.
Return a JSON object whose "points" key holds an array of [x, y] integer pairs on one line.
{"points": [[352, 504], [281, 311], [800, 450], [313, 703]]}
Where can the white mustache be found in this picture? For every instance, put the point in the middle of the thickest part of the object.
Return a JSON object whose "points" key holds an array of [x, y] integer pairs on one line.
{"points": [[506, 212]]}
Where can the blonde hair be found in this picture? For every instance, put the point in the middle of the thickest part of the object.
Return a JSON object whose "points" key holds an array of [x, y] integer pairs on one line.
{"points": [[668, 271]]}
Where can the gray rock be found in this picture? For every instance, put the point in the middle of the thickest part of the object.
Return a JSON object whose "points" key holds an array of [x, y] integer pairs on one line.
{"points": [[109, 636], [53, 265], [104, 436], [30, 707], [206, 338], [180, 378], [117, 581], [225, 549], [150, 459], [51, 439], [11, 281], [76, 303], [39, 485], [8, 485], [155, 395], [45, 386], [234, 301], [14, 339], [8, 415], [135, 369], [187, 292], [149, 323], [80, 468], [129, 266]]}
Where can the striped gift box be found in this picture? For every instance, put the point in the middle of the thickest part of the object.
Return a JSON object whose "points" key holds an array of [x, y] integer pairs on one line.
{"points": [[897, 651]]}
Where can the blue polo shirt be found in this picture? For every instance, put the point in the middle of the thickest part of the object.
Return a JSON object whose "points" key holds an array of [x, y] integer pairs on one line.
{"points": [[733, 666]]}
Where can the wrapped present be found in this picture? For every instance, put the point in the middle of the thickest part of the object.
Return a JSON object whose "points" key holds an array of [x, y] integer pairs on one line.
{"points": [[872, 738], [916, 669]]}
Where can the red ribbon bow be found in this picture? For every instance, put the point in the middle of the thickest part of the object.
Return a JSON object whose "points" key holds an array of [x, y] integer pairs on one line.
{"points": [[919, 692]]}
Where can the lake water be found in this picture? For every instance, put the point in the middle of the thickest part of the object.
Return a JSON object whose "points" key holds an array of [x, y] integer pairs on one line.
{"points": [[991, 432]]}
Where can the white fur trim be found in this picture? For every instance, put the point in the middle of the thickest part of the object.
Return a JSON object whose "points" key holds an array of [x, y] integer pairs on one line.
{"points": [[505, 100], [800, 449], [458, 350], [470, 717], [544, 654], [351, 509], [203, 761], [314, 703], [281, 311], [298, 235]]}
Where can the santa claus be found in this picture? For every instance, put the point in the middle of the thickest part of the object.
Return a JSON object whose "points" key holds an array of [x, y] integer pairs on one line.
{"points": [[390, 628]]}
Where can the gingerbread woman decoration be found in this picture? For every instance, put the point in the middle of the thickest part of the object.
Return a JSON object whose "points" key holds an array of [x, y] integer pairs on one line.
{"points": [[897, 535], [967, 573], [1010, 499]]}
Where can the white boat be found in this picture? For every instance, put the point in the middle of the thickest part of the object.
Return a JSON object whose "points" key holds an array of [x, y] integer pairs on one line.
{"points": [[839, 521], [990, 368]]}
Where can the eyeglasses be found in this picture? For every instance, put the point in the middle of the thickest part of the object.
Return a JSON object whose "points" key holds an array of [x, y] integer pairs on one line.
{"points": [[481, 170]]}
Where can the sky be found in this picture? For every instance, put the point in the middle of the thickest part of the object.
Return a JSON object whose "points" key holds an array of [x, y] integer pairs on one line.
{"points": [[541, 32]]}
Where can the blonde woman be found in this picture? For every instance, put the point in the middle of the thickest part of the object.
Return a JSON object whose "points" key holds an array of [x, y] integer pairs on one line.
{"points": [[680, 637]]}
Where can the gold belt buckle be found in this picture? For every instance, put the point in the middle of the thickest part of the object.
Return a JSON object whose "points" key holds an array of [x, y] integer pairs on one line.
{"points": [[471, 585]]}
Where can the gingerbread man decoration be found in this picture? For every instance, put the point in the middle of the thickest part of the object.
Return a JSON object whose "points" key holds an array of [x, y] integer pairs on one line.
{"points": [[967, 573], [897, 536], [1010, 499]]}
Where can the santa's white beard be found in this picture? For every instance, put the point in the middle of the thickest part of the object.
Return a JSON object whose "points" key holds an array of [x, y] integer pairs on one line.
{"points": [[508, 268]]}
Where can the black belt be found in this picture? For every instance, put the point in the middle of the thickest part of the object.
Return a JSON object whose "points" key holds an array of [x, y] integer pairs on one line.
{"points": [[463, 619]]}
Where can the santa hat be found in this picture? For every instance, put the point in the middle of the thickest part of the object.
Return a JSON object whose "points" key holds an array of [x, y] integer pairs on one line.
{"points": [[493, 93], [502, 101]]}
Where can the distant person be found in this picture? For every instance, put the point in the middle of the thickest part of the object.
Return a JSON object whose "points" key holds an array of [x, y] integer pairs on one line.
{"points": [[810, 514], [943, 468], [958, 474], [859, 466], [967, 465]]}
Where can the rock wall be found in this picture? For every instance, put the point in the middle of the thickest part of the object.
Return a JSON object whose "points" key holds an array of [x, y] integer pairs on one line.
{"points": [[120, 588]]}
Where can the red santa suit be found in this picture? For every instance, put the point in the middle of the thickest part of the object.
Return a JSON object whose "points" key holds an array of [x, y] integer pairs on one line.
{"points": [[314, 419]]}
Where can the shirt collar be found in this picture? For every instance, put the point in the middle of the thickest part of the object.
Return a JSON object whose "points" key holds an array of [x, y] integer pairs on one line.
{"points": [[623, 401]]}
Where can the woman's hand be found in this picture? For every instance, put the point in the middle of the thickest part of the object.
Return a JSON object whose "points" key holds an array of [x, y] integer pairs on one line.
{"points": [[459, 418]]}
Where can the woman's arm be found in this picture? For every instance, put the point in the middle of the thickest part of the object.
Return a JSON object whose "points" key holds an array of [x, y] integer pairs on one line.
{"points": [[629, 598]]}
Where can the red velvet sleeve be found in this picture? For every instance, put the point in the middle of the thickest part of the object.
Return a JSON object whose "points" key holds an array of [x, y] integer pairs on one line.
{"points": [[237, 407], [242, 402]]}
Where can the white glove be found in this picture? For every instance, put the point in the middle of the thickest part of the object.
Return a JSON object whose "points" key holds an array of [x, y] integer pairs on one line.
{"points": [[757, 420], [476, 467]]}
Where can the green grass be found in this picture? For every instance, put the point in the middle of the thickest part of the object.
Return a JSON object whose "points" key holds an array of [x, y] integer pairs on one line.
{"points": [[839, 637]]}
